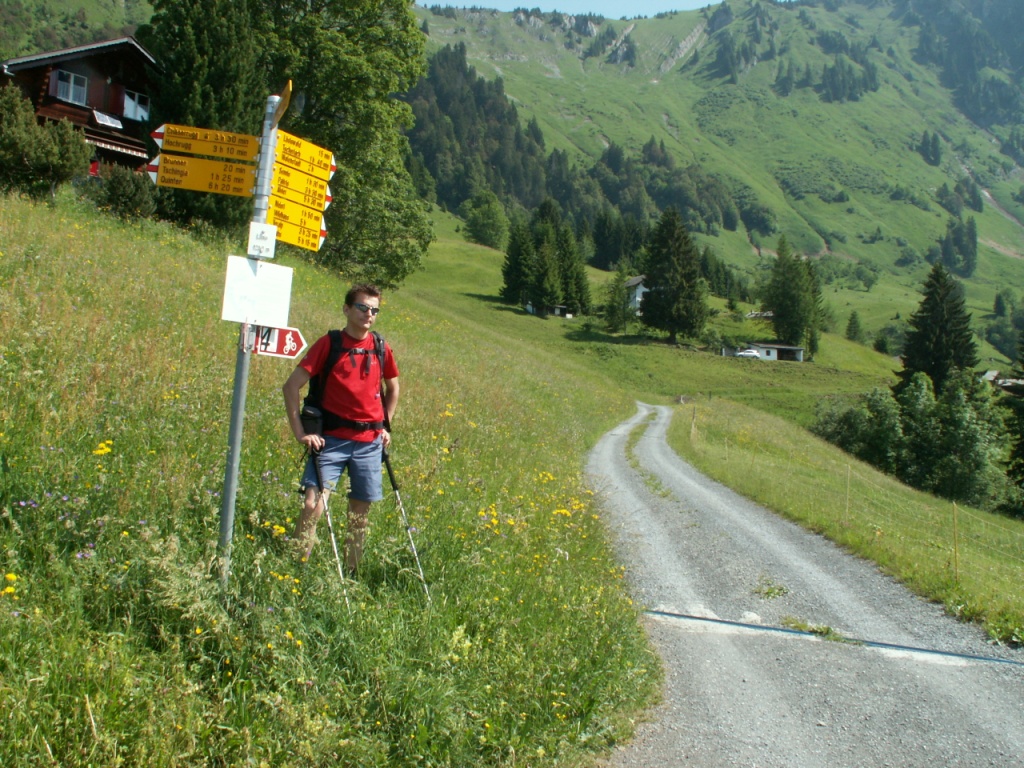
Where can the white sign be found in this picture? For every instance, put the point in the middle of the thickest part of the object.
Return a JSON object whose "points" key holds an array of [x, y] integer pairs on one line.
{"points": [[262, 240], [257, 292]]}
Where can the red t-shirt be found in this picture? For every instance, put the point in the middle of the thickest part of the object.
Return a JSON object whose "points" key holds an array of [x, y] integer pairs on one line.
{"points": [[353, 389]]}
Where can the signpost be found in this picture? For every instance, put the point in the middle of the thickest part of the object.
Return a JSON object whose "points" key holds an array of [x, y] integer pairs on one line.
{"points": [[272, 114], [290, 194], [279, 342], [201, 175]]}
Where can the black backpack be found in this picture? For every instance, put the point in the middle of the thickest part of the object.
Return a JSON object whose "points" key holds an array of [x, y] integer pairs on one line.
{"points": [[315, 418]]}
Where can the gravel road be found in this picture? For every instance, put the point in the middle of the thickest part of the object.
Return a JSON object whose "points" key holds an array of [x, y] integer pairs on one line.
{"points": [[718, 574]]}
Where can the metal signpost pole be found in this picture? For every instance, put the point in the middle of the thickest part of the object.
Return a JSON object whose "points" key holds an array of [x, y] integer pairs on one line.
{"points": [[264, 175]]}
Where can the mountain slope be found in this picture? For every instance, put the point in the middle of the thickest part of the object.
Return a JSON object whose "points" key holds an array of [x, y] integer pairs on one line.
{"points": [[838, 164]]}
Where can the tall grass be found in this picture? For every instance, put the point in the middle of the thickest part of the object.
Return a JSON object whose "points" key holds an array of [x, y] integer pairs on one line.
{"points": [[116, 643], [969, 560]]}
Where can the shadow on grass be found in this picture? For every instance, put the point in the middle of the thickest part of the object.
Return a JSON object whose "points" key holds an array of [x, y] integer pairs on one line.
{"points": [[593, 335], [489, 299]]}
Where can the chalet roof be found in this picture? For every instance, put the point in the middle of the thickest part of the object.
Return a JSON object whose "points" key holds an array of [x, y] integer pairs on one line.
{"points": [[77, 52], [633, 281]]}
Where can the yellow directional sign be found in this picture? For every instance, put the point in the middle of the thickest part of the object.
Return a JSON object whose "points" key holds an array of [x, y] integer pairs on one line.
{"points": [[300, 187], [201, 175], [202, 141], [304, 156], [282, 211], [310, 239], [282, 105]]}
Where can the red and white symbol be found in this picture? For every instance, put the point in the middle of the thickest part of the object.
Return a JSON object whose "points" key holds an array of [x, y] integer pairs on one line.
{"points": [[279, 342]]}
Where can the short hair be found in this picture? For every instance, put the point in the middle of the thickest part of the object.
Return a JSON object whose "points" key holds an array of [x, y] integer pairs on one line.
{"points": [[367, 289]]}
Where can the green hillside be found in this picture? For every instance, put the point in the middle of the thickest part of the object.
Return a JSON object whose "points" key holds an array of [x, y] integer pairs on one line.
{"points": [[116, 642], [844, 178], [30, 26]]}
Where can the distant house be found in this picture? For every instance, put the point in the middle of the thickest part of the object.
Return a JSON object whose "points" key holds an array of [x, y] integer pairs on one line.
{"points": [[558, 310], [102, 88], [770, 352], [1008, 384], [635, 291], [779, 352]]}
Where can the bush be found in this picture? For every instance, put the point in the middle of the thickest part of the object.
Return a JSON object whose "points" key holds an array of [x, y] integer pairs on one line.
{"points": [[125, 193], [35, 159]]}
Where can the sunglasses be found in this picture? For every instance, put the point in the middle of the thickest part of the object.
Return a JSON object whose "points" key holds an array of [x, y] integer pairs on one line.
{"points": [[374, 311]]}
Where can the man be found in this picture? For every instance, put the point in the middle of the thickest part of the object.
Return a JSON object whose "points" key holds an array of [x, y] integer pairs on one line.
{"points": [[354, 436]]}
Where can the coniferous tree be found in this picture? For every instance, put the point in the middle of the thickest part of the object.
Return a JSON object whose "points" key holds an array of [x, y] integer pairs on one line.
{"points": [[575, 287], [517, 270], [935, 151], [546, 286], [1015, 426], [817, 309], [617, 312], [940, 340], [676, 299], [854, 332], [789, 296]]}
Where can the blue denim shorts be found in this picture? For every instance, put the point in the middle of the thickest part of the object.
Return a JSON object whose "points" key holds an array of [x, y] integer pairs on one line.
{"points": [[363, 461]]}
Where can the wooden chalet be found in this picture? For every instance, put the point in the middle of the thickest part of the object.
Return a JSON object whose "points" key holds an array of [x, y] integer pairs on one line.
{"points": [[102, 88]]}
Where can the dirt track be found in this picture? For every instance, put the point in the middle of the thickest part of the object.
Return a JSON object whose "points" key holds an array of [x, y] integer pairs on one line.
{"points": [[718, 575]]}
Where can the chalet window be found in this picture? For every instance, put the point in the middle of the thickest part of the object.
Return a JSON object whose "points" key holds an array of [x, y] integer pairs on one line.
{"points": [[71, 87], [136, 105]]}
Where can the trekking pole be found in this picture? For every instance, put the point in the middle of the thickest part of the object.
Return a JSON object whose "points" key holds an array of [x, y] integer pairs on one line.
{"points": [[405, 522], [330, 524]]}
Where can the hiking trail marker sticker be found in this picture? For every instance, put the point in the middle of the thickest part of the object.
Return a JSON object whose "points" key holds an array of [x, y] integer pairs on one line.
{"points": [[279, 342]]}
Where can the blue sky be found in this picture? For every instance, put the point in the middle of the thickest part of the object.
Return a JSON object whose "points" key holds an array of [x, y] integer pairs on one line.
{"points": [[612, 9]]}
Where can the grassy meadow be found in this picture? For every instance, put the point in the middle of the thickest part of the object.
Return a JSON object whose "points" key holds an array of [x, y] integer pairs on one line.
{"points": [[117, 644], [969, 560]]}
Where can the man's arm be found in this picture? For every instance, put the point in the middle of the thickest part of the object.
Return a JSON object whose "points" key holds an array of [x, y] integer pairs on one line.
{"points": [[391, 397], [390, 404], [292, 390]]}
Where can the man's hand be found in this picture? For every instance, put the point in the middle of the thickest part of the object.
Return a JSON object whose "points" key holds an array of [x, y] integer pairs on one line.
{"points": [[313, 442], [385, 437]]}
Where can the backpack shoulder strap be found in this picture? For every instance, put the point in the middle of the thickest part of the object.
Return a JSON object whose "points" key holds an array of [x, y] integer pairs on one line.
{"points": [[378, 346], [319, 382]]}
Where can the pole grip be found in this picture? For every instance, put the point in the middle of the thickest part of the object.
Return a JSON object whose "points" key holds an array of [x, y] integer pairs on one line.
{"points": [[391, 472]]}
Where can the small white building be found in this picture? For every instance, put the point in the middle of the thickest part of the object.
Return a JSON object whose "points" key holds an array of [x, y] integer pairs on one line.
{"points": [[635, 291], [779, 352], [768, 352]]}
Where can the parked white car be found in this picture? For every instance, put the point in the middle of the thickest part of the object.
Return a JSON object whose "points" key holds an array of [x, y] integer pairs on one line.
{"points": [[748, 353]]}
